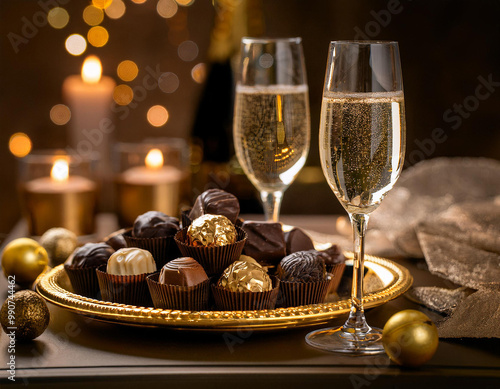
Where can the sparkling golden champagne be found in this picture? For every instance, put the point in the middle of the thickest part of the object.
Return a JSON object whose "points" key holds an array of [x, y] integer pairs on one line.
{"points": [[272, 133], [362, 146]]}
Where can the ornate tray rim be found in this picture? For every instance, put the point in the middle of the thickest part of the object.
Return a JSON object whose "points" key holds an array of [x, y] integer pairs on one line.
{"points": [[281, 318]]}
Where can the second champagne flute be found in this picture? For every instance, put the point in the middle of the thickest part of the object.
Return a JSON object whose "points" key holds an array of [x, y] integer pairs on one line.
{"points": [[362, 148], [271, 116]]}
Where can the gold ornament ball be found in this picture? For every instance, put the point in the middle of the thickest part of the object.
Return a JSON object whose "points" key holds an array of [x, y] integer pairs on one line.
{"points": [[26, 311], [59, 243], [25, 259], [410, 338]]}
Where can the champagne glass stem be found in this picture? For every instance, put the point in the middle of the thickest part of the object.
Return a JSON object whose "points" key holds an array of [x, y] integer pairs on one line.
{"points": [[356, 321], [271, 201]]}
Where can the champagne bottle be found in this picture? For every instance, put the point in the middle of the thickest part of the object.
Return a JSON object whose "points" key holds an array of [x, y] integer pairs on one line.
{"points": [[216, 165]]}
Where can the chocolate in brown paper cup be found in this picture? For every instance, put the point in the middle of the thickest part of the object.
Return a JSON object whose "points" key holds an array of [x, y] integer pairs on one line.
{"points": [[186, 298], [83, 280], [294, 294], [226, 300], [213, 259], [124, 289], [336, 271], [163, 249]]}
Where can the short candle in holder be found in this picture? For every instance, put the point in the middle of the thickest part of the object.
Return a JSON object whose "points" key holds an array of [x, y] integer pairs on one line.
{"points": [[152, 186], [60, 200]]}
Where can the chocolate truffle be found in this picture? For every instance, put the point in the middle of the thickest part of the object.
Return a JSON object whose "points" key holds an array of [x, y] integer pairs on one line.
{"points": [[216, 202], [90, 255], [245, 275], [297, 240], [183, 271], [265, 242], [116, 239], [302, 266], [210, 231], [131, 261], [154, 224]]}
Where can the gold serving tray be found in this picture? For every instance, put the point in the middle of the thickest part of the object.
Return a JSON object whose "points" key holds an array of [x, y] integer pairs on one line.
{"points": [[390, 281]]}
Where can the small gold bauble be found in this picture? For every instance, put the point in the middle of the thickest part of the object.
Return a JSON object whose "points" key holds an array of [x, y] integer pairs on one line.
{"points": [[59, 243], [24, 259], [25, 314], [410, 338]]}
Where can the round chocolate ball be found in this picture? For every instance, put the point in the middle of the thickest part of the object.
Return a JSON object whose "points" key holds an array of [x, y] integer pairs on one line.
{"points": [[302, 266]]}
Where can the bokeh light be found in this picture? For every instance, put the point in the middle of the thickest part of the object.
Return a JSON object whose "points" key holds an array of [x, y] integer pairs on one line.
{"points": [[20, 144], [199, 73], [127, 70], [60, 114], [185, 3], [93, 15], [187, 51], [139, 1], [123, 94], [58, 17], [98, 36], [102, 4], [116, 10], [166, 8], [157, 115], [168, 82], [76, 44]]}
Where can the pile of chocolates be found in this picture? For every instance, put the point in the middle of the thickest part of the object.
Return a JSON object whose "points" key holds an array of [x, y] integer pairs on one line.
{"points": [[212, 260]]}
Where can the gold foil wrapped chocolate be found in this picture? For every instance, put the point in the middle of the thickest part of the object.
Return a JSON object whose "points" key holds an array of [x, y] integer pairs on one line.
{"points": [[245, 275], [211, 230]]}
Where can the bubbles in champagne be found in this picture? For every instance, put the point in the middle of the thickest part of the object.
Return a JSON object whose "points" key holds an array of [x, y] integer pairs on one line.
{"points": [[272, 133], [362, 146]]}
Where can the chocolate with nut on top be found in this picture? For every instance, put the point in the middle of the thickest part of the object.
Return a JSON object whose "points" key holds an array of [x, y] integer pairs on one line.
{"points": [[302, 266], [183, 271], [216, 202], [90, 255], [154, 224], [265, 242]]}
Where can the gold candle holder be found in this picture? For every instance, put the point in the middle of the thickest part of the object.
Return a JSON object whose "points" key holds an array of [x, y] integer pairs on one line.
{"points": [[153, 176], [56, 190]]}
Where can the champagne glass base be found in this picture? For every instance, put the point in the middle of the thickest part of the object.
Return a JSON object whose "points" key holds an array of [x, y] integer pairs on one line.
{"points": [[336, 339]]}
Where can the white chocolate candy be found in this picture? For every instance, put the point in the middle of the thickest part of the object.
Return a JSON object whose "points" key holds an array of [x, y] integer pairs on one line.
{"points": [[131, 261]]}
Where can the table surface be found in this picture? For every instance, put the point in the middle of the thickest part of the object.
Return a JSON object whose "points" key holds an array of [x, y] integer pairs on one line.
{"points": [[81, 352]]}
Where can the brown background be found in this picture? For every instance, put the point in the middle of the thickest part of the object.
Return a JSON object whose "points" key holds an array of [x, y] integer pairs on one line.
{"points": [[445, 46]]}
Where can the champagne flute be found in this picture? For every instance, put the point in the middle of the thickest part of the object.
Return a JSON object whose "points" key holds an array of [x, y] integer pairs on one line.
{"points": [[362, 146], [271, 117]]}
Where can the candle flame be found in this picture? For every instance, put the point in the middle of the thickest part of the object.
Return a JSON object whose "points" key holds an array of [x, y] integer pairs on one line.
{"points": [[154, 159], [91, 70], [60, 171]]}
